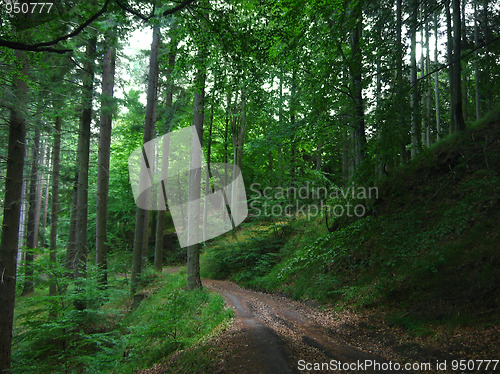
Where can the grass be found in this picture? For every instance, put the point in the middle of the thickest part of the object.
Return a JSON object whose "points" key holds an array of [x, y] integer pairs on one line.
{"points": [[427, 256], [107, 336]]}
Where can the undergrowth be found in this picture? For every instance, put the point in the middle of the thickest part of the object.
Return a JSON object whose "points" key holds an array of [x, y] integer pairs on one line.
{"points": [[427, 253], [52, 336]]}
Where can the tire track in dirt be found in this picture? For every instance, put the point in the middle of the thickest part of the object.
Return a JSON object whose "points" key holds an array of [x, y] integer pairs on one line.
{"points": [[270, 334]]}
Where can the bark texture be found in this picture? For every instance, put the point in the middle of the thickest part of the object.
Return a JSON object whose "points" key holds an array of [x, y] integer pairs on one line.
{"points": [[12, 204], [141, 218], [108, 82], [31, 232], [80, 255], [55, 200]]}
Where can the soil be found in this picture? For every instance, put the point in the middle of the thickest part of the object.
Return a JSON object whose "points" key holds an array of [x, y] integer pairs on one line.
{"points": [[274, 334], [270, 334]]}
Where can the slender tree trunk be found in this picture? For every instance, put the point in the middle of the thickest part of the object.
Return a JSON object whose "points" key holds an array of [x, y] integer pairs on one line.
{"points": [[79, 262], [238, 132], [210, 131], [160, 224], [451, 66], [54, 215], [319, 157], [108, 82], [208, 188], [399, 81], [161, 219], [487, 37], [39, 191], [22, 223], [436, 79], [193, 250], [226, 138], [146, 236], [293, 147], [346, 157], [378, 109], [425, 124], [141, 219], [463, 41], [457, 69], [428, 96], [31, 239], [70, 249], [414, 83], [357, 89], [43, 235], [476, 63], [10, 225]]}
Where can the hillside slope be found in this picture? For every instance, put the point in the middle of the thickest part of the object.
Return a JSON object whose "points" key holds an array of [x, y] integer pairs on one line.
{"points": [[428, 257]]}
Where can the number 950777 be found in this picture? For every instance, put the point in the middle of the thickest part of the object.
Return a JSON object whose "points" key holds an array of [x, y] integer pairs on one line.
{"points": [[16, 7]]}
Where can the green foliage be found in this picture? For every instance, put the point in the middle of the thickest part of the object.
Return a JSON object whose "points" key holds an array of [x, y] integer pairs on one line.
{"points": [[246, 261], [429, 246], [90, 328], [169, 320], [66, 331]]}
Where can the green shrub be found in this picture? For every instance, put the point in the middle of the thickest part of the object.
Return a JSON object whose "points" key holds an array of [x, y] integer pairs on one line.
{"points": [[81, 329]]}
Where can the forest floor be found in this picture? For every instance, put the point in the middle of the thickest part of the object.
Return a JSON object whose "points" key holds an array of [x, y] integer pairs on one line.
{"points": [[275, 334], [271, 334]]}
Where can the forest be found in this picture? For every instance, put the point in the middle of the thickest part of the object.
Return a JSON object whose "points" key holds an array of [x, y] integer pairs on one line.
{"points": [[249, 186]]}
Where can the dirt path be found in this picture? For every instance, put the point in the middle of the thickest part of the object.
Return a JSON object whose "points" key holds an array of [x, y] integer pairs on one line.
{"points": [[271, 334]]}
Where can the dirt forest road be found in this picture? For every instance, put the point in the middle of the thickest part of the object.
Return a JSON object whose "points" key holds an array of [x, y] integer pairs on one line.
{"points": [[276, 335]]}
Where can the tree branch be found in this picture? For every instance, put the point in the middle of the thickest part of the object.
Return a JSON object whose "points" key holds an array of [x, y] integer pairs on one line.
{"points": [[182, 5], [42, 47], [443, 66], [46, 46], [135, 13]]}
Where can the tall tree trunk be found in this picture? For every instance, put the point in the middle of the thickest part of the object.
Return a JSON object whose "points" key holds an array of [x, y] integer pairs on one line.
{"points": [[39, 191], [293, 147], [161, 220], [357, 88], [281, 119], [457, 69], [141, 218], [428, 96], [476, 63], [399, 80], [208, 188], [414, 83], [193, 250], [31, 239], [451, 66], [43, 235], [10, 225], [70, 248], [79, 261], [346, 157], [465, 86], [226, 137], [54, 214], [436, 79], [238, 132], [424, 122], [108, 82], [487, 40], [22, 222], [319, 157]]}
